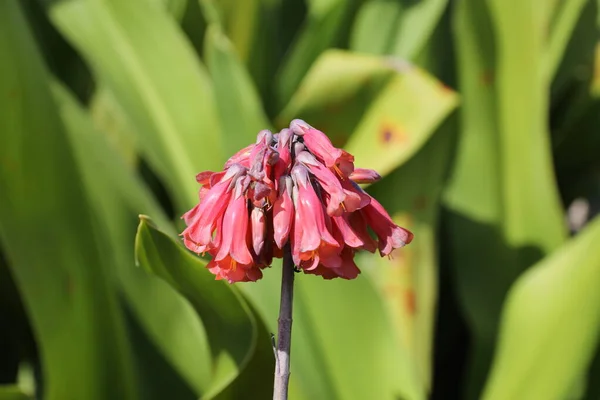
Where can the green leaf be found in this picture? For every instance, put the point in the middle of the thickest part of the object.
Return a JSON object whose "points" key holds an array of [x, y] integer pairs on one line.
{"points": [[336, 91], [336, 323], [258, 30], [416, 27], [504, 213], [399, 28], [550, 323], [324, 28], [153, 72], [47, 231], [229, 323], [238, 102], [400, 120], [408, 281], [565, 21], [165, 315], [375, 27], [389, 109]]}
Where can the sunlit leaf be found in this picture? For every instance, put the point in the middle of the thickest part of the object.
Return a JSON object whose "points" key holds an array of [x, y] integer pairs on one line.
{"points": [[408, 281], [502, 199], [400, 120], [166, 317], [239, 105], [229, 323], [47, 231], [550, 323], [141, 55], [324, 28]]}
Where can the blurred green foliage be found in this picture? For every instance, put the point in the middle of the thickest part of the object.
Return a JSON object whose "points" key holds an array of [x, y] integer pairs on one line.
{"points": [[483, 115]]}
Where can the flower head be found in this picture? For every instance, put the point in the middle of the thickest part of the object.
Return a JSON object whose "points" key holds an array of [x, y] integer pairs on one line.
{"points": [[292, 188]]}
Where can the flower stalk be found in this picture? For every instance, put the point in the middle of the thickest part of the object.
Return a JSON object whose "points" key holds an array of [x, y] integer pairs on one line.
{"points": [[284, 328]]}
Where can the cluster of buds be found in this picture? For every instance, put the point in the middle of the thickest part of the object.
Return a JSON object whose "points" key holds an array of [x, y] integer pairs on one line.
{"points": [[292, 188]]}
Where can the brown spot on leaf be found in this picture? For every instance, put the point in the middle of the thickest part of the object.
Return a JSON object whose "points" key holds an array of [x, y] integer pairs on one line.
{"points": [[391, 133], [487, 77], [410, 301]]}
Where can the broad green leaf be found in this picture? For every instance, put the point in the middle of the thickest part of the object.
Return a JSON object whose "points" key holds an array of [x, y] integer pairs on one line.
{"points": [[532, 210], [417, 24], [473, 194], [239, 105], [324, 28], [336, 324], [166, 317], [47, 231], [550, 323], [399, 28], [108, 117], [400, 120], [238, 20], [375, 27], [576, 68], [259, 31], [141, 55], [390, 107], [336, 91], [564, 23], [229, 323], [408, 280], [504, 212]]}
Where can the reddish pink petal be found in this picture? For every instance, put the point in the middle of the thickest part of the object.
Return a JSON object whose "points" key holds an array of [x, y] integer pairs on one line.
{"points": [[317, 142], [359, 226], [349, 237], [253, 274], [235, 225], [362, 175], [204, 177], [328, 181], [310, 210], [283, 213], [390, 235], [356, 198], [258, 230], [211, 209], [242, 157]]}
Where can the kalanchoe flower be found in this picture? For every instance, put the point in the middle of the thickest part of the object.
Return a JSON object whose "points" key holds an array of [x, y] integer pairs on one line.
{"points": [[292, 188]]}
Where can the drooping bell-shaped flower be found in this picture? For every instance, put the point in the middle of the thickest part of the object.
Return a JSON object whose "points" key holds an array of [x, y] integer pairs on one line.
{"points": [[311, 234], [283, 212], [289, 191]]}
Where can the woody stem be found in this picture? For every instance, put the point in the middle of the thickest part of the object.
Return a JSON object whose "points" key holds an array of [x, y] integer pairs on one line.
{"points": [[284, 330]]}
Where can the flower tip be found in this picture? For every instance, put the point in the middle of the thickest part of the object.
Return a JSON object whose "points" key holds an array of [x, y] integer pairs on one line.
{"points": [[363, 175], [299, 127], [264, 136]]}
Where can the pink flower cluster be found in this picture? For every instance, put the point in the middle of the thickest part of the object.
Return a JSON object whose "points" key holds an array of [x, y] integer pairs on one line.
{"points": [[290, 188]]}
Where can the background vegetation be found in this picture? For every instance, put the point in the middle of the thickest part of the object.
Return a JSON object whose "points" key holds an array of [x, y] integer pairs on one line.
{"points": [[483, 115]]}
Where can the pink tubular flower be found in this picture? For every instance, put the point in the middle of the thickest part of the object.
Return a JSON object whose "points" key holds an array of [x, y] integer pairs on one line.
{"points": [[317, 142], [312, 236], [362, 175], [390, 235], [283, 212], [290, 191], [234, 247]]}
